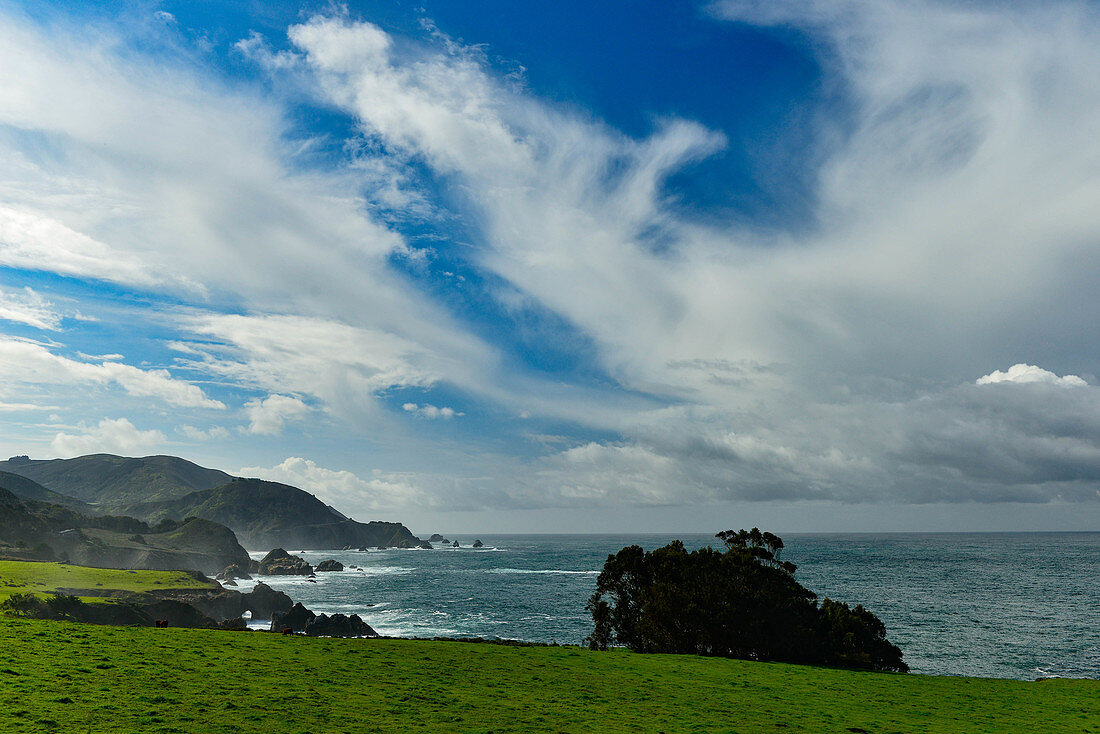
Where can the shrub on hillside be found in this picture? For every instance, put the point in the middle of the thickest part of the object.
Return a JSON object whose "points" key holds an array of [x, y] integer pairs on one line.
{"points": [[55, 606]]}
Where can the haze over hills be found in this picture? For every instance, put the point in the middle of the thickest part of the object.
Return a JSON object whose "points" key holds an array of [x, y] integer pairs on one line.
{"points": [[262, 514], [266, 514], [31, 489], [46, 531]]}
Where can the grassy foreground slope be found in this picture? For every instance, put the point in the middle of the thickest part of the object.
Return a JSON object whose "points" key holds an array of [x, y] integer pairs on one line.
{"points": [[68, 677]]}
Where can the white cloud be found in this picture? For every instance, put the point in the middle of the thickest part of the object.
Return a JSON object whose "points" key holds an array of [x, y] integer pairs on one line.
{"points": [[341, 366], [269, 416], [430, 412], [342, 489], [163, 177], [951, 211], [1023, 373], [960, 176], [24, 362], [256, 49], [198, 434], [112, 436], [558, 226], [19, 407], [33, 241], [28, 308]]}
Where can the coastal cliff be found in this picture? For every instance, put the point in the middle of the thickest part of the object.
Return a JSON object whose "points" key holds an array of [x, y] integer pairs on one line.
{"points": [[262, 514]]}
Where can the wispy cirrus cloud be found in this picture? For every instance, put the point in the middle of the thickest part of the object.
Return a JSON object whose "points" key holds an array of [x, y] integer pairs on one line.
{"points": [[25, 362], [930, 201], [30, 308]]}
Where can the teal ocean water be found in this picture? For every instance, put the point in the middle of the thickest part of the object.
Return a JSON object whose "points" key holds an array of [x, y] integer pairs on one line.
{"points": [[1009, 605]]}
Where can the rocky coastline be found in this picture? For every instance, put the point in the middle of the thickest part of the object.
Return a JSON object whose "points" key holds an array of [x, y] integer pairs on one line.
{"points": [[207, 605]]}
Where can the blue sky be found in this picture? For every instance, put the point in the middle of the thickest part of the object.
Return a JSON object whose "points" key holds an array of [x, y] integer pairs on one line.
{"points": [[489, 266]]}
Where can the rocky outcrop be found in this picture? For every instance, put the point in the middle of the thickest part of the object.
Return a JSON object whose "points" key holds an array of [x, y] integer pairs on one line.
{"points": [[296, 619], [301, 619], [478, 543], [217, 604], [222, 604], [280, 563], [179, 614], [339, 625], [237, 624], [437, 538], [329, 565], [232, 572], [264, 602]]}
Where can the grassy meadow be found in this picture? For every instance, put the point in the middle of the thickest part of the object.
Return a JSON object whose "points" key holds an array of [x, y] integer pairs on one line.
{"points": [[58, 676], [42, 579]]}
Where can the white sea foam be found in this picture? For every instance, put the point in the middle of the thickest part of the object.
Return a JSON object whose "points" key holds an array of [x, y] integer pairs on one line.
{"points": [[543, 571]]}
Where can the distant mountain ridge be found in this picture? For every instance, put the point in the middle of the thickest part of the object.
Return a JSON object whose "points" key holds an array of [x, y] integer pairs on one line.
{"points": [[262, 514], [110, 483], [269, 514]]}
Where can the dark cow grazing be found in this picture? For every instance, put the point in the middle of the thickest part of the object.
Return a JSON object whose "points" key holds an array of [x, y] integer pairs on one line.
{"points": [[288, 630], [162, 623]]}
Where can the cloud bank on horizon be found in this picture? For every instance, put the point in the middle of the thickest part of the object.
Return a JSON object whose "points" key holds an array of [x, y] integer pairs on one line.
{"points": [[395, 268]]}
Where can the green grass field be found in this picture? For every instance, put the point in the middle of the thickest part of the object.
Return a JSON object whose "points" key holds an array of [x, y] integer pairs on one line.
{"points": [[28, 577], [57, 676]]}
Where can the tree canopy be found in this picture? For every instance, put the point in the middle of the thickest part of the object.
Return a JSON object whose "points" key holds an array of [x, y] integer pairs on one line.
{"points": [[743, 602]]}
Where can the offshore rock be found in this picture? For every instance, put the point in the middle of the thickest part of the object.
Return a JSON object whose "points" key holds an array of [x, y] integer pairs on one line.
{"points": [[339, 625], [231, 572], [280, 563], [330, 565], [296, 619], [264, 602]]}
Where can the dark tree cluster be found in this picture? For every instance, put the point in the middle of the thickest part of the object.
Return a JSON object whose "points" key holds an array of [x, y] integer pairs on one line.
{"points": [[743, 602]]}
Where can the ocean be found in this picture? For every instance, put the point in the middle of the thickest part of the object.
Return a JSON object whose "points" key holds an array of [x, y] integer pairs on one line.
{"points": [[1005, 605]]}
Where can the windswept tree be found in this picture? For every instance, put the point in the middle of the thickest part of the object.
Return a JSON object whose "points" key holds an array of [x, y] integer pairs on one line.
{"points": [[743, 602]]}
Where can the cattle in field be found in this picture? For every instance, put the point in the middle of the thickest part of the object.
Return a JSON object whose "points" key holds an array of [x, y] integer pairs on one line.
{"points": [[162, 623], [288, 630]]}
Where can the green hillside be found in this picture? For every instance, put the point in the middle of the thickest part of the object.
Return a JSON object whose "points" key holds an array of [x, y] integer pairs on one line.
{"points": [[57, 676], [263, 514], [113, 482], [41, 579], [24, 487], [266, 514], [40, 530]]}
